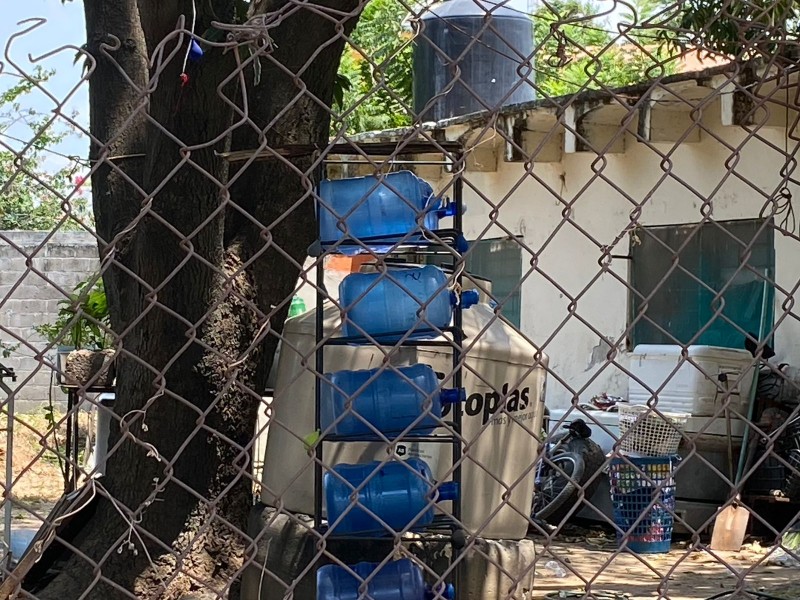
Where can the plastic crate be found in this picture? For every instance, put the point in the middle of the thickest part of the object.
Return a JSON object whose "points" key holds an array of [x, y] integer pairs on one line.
{"points": [[649, 433], [768, 477], [791, 435], [635, 495], [791, 483]]}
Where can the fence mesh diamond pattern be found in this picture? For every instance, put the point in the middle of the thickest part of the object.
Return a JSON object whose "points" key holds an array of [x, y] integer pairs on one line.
{"points": [[371, 299]]}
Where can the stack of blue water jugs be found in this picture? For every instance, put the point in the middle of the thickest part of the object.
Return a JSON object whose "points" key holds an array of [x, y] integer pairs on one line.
{"points": [[369, 214]]}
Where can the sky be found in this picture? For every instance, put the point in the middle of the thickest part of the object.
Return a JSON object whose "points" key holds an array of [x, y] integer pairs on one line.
{"points": [[64, 26]]}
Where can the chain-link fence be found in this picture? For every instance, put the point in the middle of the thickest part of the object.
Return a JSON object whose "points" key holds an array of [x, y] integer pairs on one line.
{"points": [[461, 300]]}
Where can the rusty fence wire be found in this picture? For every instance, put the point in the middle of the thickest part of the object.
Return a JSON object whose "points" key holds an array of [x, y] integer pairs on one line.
{"points": [[386, 300]]}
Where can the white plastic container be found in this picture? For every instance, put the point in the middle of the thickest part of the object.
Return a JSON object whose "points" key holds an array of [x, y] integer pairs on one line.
{"points": [[604, 425], [503, 441], [696, 387]]}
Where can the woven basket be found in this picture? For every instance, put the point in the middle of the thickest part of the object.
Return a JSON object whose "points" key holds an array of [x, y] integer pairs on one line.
{"points": [[649, 433]]}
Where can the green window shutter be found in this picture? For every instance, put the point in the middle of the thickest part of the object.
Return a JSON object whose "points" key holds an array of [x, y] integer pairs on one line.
{"points": [[701, 280], [499, 261]]}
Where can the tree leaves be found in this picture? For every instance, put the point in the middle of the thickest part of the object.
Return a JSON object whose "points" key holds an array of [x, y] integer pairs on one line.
{"points": [[741, 29], [341, 85], [373, 87], [577, 50], [82, 319], [33, 191]]}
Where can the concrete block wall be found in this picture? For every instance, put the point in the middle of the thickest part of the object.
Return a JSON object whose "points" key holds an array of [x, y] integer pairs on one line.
{"points": [[37, 269]]}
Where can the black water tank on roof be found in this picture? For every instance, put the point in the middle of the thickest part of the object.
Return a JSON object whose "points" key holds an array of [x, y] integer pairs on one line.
{"points": [[490, 42]]}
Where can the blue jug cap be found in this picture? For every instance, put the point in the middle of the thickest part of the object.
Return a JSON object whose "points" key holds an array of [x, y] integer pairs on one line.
{"points": [[449, 210], [469, 298], [453, 396], [462, 245], [447, 491]]}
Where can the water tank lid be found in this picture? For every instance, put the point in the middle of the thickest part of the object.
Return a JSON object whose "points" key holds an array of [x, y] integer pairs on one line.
{"points": [[474, 8]]}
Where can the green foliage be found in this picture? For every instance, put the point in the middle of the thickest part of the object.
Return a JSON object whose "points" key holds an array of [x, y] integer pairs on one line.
{"points": [[576, 50], [82, 320], [373, 89], [6, 349], [741, 29], [31, 196]]}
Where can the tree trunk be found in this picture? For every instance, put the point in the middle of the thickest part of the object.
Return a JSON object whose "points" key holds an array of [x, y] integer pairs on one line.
{"points": [[197, 290]]}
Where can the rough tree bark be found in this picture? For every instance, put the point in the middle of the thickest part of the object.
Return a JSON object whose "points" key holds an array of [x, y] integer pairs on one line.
{"points": [[192, 281]]}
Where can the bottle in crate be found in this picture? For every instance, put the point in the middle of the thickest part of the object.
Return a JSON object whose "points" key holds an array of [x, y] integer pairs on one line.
{"points": [[387, 207], [400, 494], [398, 300], [397, 580], [391, 401]]}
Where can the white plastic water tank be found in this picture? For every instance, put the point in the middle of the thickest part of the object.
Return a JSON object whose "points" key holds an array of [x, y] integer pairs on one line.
{"points": [[503, 438], [700, 386]]}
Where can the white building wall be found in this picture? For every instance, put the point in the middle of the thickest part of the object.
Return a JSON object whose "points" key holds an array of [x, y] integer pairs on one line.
{"points": [[585, 302]]}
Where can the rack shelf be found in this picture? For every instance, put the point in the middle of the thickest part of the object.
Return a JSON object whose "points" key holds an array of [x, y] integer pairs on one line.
{"points": [[442, 525], [450, 238], [432, 439], [391, 339], [451, 242]]}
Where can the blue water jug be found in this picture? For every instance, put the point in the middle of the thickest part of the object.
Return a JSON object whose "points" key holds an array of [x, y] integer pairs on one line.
{"points": [[401, 494], [399, 300], [390, 400], [386, 207], [397, 580]]}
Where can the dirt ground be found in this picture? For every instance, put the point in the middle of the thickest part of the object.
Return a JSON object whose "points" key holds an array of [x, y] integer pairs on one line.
{"points": [[688, 574], [586, 555], [38, 472]]}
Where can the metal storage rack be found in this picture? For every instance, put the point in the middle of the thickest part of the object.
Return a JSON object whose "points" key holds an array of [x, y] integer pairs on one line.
{"points": [[452, 239]]}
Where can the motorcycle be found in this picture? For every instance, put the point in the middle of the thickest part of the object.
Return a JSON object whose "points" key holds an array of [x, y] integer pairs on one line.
{"points": [[564, 471]]}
